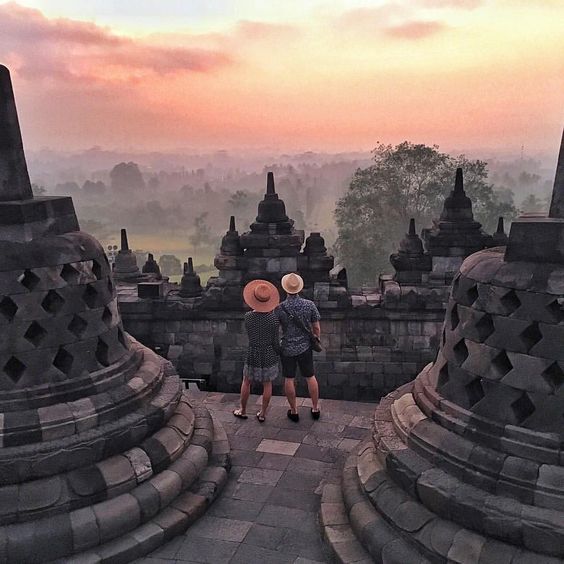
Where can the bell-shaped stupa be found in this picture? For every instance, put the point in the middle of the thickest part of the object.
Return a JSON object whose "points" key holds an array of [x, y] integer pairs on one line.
{"points": [[100, 450], [466, 463]]}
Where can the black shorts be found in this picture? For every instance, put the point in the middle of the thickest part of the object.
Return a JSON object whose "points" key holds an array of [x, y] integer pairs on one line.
{"points": [[303, 360]]}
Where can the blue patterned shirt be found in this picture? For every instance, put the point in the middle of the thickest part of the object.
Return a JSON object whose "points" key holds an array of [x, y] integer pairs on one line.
{"points": [[295, 340]]}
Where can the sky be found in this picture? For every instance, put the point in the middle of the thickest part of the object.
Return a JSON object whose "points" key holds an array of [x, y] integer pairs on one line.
{"points": [[288, 75]]}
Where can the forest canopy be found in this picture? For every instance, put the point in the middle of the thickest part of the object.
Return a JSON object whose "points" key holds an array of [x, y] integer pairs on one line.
{"points": [[407, 180]]}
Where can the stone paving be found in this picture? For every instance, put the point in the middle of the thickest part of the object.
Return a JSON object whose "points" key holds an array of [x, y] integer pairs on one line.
{"points": [[269, 509]]}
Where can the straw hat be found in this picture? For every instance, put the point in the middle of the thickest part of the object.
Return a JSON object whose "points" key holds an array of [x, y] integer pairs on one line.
{"points": [[292, 283], [261, 295]]}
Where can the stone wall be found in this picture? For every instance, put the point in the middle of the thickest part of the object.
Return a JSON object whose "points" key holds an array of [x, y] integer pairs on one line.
{"points": [[369, 349]]}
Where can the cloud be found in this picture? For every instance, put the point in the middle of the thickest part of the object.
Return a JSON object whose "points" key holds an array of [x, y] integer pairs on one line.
{"points": [[67, 49], [392, 20], [415, 30], [462, 4], [253, 30]]}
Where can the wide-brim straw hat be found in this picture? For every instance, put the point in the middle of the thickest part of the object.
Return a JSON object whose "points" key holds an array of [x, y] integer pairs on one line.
{"points": [[292, 283], [261, 295]]}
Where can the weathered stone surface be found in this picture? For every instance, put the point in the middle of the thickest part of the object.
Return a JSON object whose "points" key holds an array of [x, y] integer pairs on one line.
{"points": [[87, 459]]}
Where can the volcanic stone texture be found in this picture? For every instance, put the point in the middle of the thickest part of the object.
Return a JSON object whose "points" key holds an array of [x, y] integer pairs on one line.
{"points": [[466, 463], [99, 446]]}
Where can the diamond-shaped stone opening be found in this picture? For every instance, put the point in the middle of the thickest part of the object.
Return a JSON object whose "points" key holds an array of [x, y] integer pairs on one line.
{"points": [[443, 376], [69, 274], [472, 294], [102, 353], [29, 280], [455, 284], [35, 334], [531, 335], [556, 310], [460, 351], [110, 286], [53, 302], [107, 316], [510, 302], [522, 408], [485, 327], [8, 308], [77, 326], [454, 319], [474, 391], [14, 369], [106, 260], [501, 364], [90, 296], [63, 361], [97, 269], [554, 375], [122, 338]]}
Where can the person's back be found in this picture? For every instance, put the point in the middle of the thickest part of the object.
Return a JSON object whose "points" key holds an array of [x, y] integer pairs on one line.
{"points": [[299, 319], [295, 339]]}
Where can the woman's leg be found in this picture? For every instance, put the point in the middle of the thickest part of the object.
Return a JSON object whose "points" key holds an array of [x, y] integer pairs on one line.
{"points": [[266, 395], [245, 393]]}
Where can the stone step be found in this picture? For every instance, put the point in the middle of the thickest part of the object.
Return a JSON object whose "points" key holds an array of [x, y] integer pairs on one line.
{"points": [[371, 497], [401, 424], [337, 530], [174, 520], [162, 478]]}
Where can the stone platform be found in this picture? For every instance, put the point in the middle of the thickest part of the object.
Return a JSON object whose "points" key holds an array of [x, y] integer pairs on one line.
{"points": [[269, 510]]}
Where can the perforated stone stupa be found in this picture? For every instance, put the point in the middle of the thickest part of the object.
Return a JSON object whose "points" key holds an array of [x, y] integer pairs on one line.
{"points": [[100, 452], [467, 462]]}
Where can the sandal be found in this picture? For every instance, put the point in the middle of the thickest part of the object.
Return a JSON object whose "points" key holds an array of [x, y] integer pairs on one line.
{"points": [[295, 417], [315, 414], [239, 413], [260, 417]]}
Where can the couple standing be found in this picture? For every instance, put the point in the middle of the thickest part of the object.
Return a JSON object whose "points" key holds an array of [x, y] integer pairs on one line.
{"points": [[299, 319]]}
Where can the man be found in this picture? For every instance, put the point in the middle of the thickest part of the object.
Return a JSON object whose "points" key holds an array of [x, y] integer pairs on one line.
{"points": [[296, 343]]}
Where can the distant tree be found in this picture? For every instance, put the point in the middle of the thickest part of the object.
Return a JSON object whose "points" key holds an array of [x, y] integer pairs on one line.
{"points": [[38, 190], [67, 188], [533, 204], [126, 177], [94, 189], [170, 265], [243, 206], [202, 235], [405, 181], [94, 227]]}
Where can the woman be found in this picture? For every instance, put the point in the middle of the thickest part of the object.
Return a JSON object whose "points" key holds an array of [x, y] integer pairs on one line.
{"points": [[261, 364]]}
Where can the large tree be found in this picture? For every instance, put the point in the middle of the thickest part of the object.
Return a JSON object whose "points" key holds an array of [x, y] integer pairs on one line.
{"points": [[405, 181]]}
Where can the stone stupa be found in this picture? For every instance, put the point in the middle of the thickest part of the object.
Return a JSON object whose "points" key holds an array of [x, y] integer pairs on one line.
{"points": [[100, 451], [466, 463]]}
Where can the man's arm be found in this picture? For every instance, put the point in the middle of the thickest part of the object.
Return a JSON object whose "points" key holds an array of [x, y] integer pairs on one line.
{"points": [[316, 328]]}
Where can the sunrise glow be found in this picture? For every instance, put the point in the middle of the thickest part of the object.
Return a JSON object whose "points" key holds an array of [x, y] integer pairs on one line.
{"points": [[289, 75]]}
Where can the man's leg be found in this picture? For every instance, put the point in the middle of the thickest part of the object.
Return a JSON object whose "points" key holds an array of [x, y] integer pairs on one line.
{"points": [[313, 389], [289, 366], [245, 392], [305, 361], [290, 391]]}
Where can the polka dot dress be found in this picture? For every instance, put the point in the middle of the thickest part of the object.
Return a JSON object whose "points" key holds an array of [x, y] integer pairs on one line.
{"points": [[261, 364]]}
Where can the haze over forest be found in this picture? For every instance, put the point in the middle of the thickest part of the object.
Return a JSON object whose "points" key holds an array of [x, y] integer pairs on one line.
{"points": [[163, 117]]}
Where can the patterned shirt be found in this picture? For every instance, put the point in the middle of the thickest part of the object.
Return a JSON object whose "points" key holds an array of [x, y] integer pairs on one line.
{"points": [[295, 340]]}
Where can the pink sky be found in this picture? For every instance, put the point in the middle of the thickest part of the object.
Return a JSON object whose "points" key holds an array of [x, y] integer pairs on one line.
{"points": [[292, 75]]}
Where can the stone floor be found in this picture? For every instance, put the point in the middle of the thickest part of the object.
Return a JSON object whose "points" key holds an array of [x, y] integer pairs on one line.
{"points": [[268, 511]]}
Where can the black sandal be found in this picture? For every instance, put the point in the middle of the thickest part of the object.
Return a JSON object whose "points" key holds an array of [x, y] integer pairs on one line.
{"points": [[295, 417], [239, 414], [315, 414], [261, 418]]}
